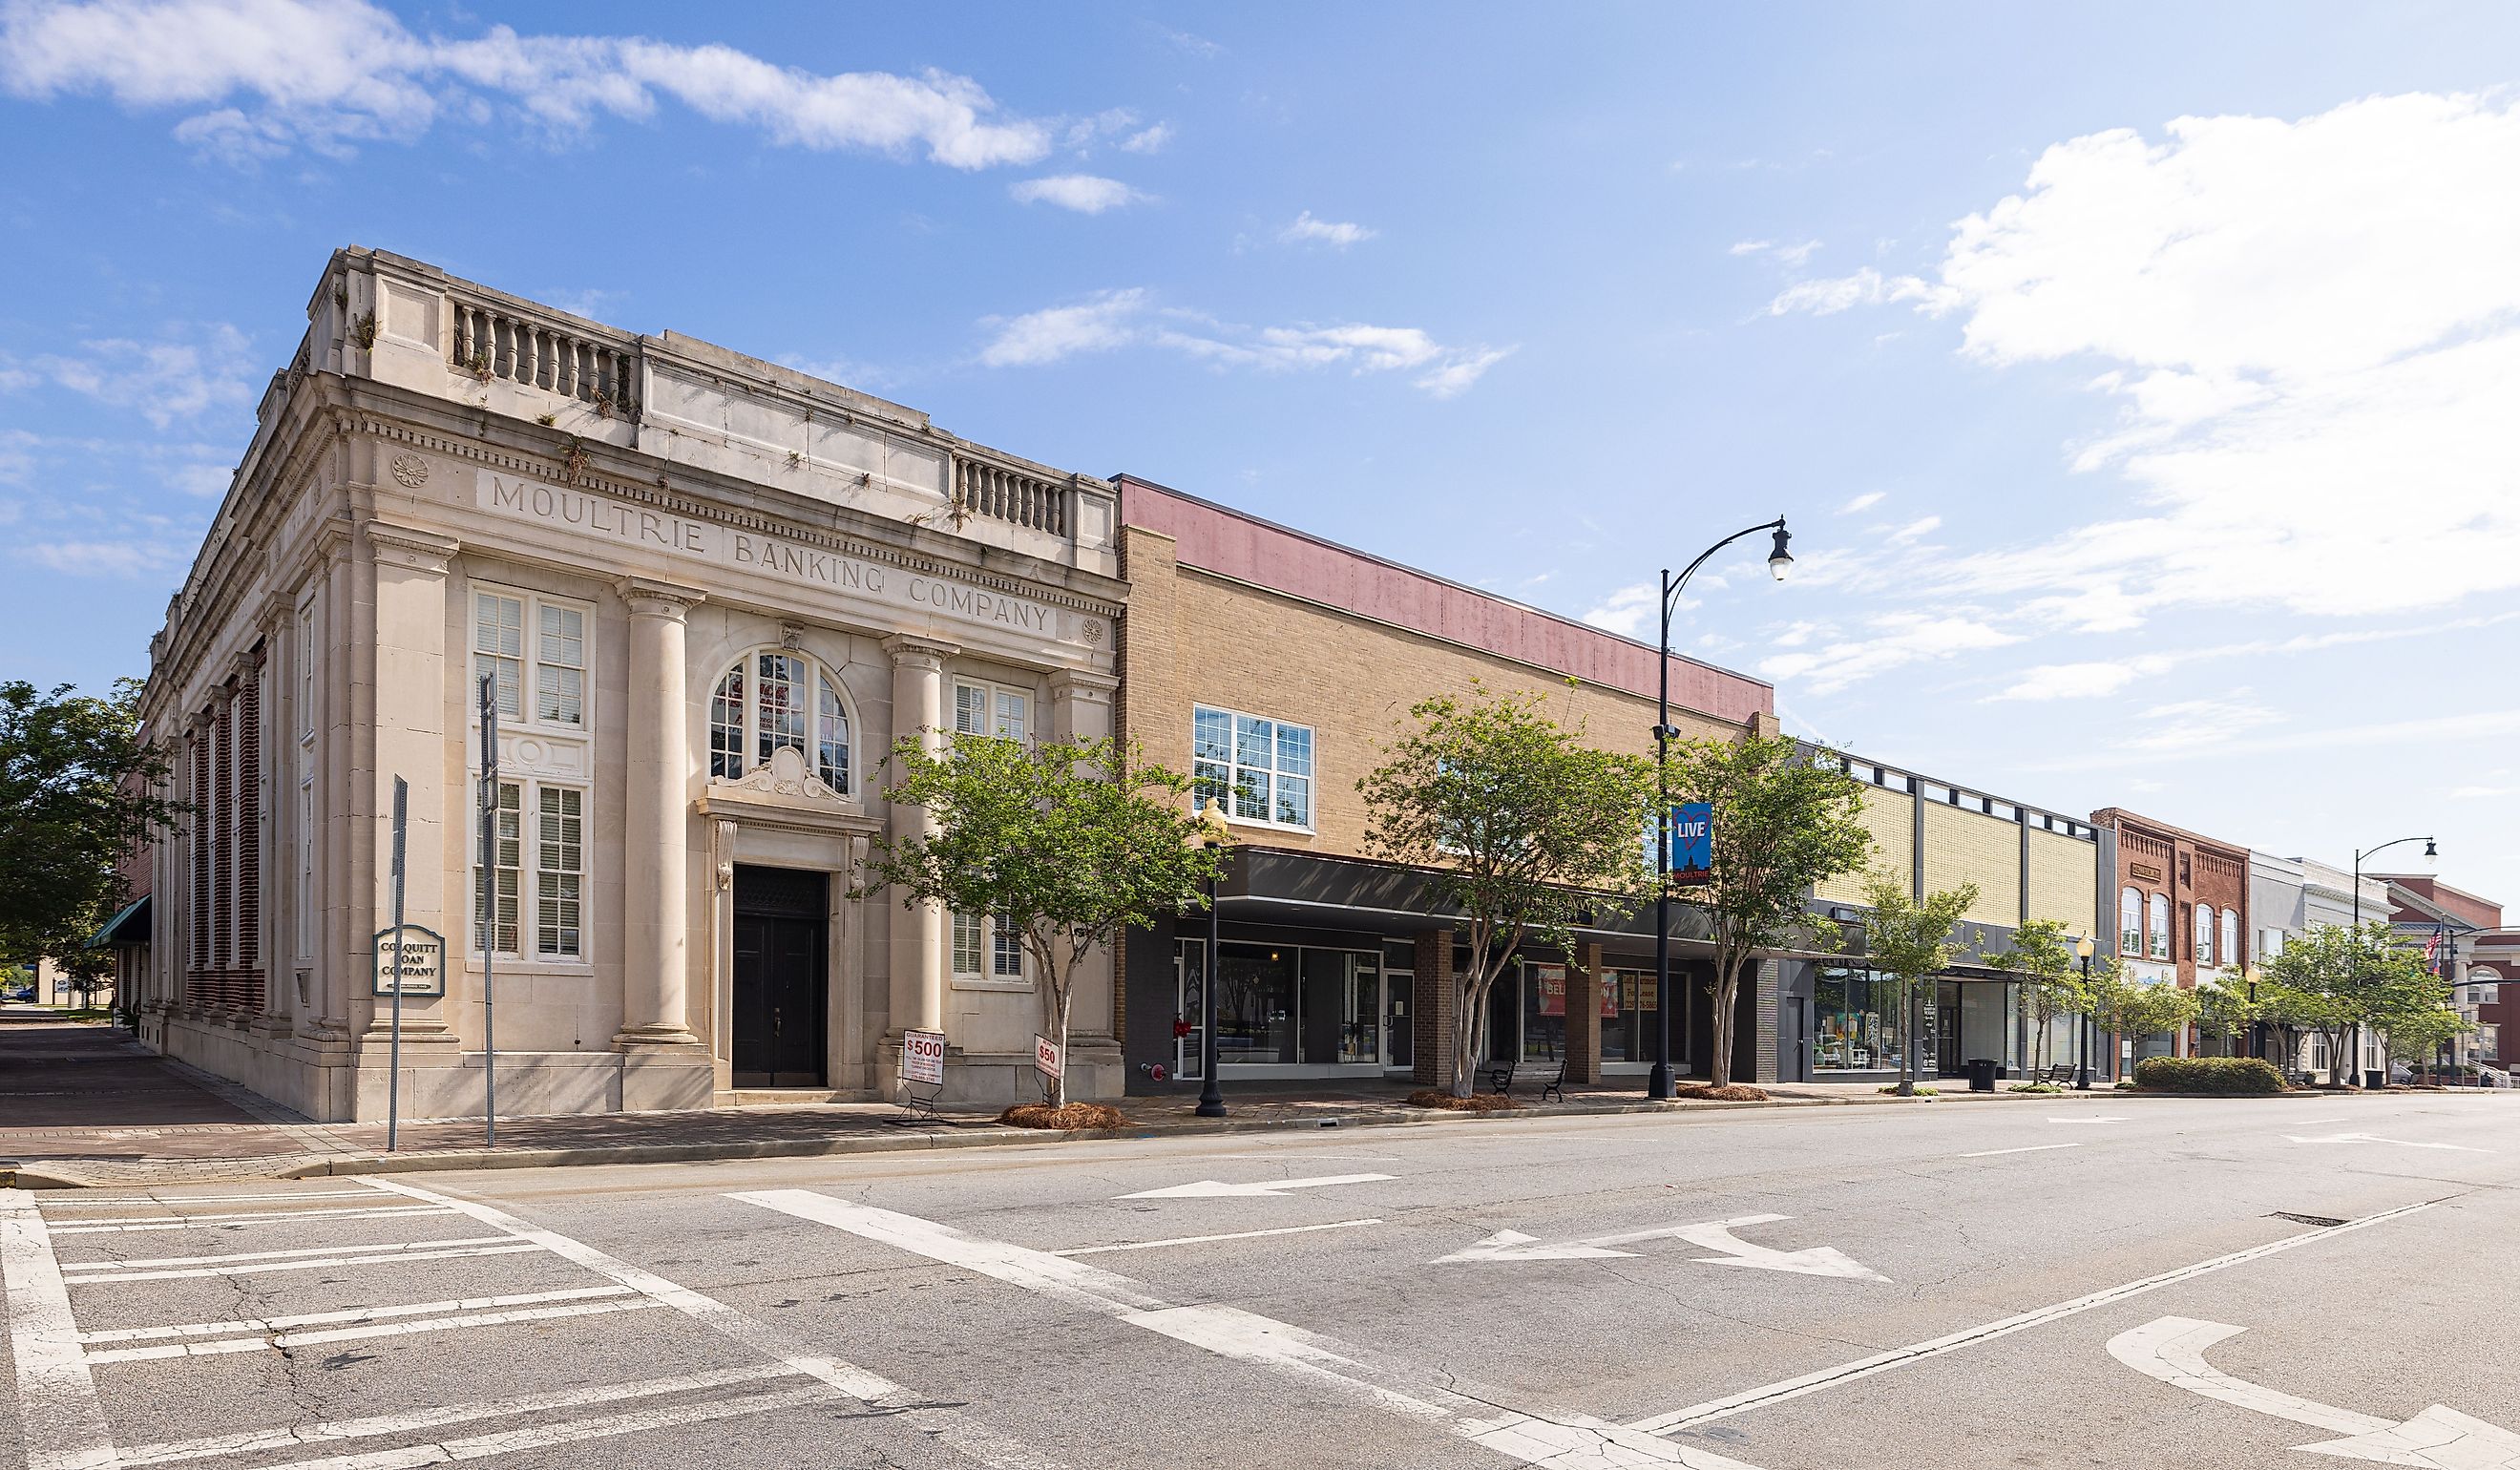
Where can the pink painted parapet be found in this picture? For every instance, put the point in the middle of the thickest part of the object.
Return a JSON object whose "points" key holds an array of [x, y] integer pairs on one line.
{"points": [[1247, 549]]}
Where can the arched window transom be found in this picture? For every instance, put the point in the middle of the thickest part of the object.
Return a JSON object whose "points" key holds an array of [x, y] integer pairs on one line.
{"points": [[777, 697]]}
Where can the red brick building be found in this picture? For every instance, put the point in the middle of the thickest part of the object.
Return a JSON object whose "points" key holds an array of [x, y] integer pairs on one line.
{"points": [[2480, 955], [2182, 909]]}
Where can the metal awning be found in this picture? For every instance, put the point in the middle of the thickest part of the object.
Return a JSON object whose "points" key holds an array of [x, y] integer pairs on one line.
{"points": [[128, 927]]}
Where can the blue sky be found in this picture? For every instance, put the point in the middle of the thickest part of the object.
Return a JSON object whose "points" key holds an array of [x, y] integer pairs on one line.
{"points": [[2138, 379]]}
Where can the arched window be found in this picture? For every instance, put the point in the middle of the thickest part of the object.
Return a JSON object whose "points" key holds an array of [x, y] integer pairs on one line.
{"points": [[2157, 929], [2205, 936], [776, 697], [2230, 950], [2129, 921]]}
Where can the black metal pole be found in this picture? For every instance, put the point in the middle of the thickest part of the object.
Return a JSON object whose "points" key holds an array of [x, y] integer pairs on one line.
{"points": [[489, 803], [2082, 1035], [1658, 1085], [1211, 1096]]}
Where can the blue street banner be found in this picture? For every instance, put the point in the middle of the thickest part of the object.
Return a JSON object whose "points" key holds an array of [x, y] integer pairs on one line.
{"points": [[1692, 842]]}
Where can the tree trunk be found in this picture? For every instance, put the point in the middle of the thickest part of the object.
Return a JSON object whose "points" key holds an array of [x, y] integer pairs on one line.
{"points": [[1470, 1006], [1719, 1070], [1061, 998]]}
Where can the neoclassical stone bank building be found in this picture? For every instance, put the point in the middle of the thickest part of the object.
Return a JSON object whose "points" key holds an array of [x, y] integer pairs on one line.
{"points": [[710, 592]]}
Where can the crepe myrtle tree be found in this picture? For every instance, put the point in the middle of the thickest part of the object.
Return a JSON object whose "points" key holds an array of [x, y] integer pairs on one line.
{"points": [[2122, 1006], [1520, 827], [2044, 962], [1909, 940], [1784, 819], [2224, 1010], [1070, 843], [2337, 977]]}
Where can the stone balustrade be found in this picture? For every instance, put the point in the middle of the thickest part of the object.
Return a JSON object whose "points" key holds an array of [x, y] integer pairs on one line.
{"points": [[488, 342], [1002, 492]]}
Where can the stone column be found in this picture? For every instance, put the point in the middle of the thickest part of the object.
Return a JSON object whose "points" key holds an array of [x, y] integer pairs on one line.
{"points": [[655, 840], [1081, 709], [1434, 1006], [411, 735], [919, 937], [1584, 982]]}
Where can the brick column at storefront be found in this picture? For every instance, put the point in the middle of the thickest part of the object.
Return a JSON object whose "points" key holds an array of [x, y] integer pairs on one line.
{"points": [[1434, 1005], [1584, 982]]}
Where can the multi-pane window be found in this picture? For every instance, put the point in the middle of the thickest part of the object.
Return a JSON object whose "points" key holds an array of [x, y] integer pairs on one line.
{"points": [[987, 948], [559, 871], [2204, 936], [2129, 921], [2230, 950], [2157, 929], [554, 667], [771, 699], [991, 709], [507, 873], [1262, 769], [538, 872]]}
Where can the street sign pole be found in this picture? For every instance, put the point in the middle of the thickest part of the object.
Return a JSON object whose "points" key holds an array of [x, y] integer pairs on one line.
{"points": [[393, 1048], [489, 914]]}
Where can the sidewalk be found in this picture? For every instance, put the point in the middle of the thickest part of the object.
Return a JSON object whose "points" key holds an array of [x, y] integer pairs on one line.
{"points": [[82, 1106]]}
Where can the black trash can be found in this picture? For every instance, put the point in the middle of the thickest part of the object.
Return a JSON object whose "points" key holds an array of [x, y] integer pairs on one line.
{"points": [[2375, 1081], [1981, 1073]]}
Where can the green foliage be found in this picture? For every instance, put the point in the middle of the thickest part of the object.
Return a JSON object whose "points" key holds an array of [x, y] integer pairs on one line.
{"points": [[2231, 1075], [1522, 826], [2224, 1008], [1783, 822], [1070, 843], [79, 789], [2051, 976], [1908, 940], [2336, 978], [2132, 1008]]}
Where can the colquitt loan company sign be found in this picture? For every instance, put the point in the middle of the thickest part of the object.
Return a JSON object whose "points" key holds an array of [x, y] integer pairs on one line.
{"points": [[750, 554]]}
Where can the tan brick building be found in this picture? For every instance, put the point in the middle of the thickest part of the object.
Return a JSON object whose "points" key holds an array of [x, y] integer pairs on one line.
{"points": [[1279, 664]]}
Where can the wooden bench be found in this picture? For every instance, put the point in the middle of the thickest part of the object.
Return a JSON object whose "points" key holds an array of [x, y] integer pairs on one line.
{"points": [[1501, 1080]]}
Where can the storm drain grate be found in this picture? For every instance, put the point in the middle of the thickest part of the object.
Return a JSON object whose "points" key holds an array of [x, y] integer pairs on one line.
{"points": [[2321, 1220]]}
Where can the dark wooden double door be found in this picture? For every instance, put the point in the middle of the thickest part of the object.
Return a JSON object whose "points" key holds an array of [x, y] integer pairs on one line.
{"points": [[781, 933]]}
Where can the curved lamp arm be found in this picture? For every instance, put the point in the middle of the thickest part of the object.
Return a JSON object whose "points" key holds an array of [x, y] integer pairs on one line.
{"points": [[1671, 589]]}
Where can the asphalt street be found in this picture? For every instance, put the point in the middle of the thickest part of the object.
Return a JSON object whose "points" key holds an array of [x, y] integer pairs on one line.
{"points": [[2084, 1282]]}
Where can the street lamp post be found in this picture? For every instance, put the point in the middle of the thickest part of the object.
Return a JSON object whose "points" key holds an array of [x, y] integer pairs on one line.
{"points": [[1212, 832], [2084, 949], [1660, 1084], [2432, 855]]}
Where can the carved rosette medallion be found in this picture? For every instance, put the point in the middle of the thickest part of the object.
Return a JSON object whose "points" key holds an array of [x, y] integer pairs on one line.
{"points": [[410, 471]]}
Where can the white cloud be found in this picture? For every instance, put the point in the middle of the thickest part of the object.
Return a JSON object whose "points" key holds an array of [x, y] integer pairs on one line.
{"points": [[275, 74], [1624, 612], [1129, 318], [1084, 193], [1198, 46], [1893, 640], [1788, 254], [1916, 530], [1098, 324], [2311, 329], [1751, 246], [1148, 140], [1865, 502], [106, 558], [1335, 234], [187, 372]]}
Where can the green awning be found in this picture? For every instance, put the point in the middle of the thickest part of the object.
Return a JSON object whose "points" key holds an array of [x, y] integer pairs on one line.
{"points": [[128, 927]]}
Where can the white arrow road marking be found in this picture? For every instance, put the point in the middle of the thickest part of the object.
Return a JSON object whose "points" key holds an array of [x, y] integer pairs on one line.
{"points": [[1215, 1188], [1562, 1442], [1818, 1260], [1970, 1337], [2032, 1148], [1713, 1235], [2376, 1139], [2171, 1349]]}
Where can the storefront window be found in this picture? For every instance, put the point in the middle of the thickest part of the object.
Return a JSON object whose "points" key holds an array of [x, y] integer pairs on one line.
{"points": [[1543, 1013], [1255, 1005], [1288, 1005], [1861, 1025]]}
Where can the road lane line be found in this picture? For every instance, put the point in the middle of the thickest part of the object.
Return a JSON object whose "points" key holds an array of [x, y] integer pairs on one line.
{"points": [[191, 1221], [950, 1427], [2032, 1148], [73, 1268], [569, 1432], [59, 1415], [1149, 1245], [348, 1314], [1864, 1367], [379, 1329], [219, 1446], [1565, 1442], [115, 1202], [325, 1262]]}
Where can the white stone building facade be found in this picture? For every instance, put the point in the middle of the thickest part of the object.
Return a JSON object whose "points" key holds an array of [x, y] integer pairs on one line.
{"points": [[710, 593], [2288, 898]]}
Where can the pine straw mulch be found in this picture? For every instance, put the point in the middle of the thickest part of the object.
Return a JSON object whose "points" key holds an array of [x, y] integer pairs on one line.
{"points": [[1477, 1102], [1074, 1115], [1699, 1091]]}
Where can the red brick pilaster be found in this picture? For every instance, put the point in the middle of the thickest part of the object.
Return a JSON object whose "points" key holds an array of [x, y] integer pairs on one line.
{"points": [[1435, 1002], [1584, 982]]}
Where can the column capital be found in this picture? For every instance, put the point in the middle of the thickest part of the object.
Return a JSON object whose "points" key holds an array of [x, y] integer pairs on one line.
{"points": [[1083, 684], [649, 597], [409, 549], [910, 652]]}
